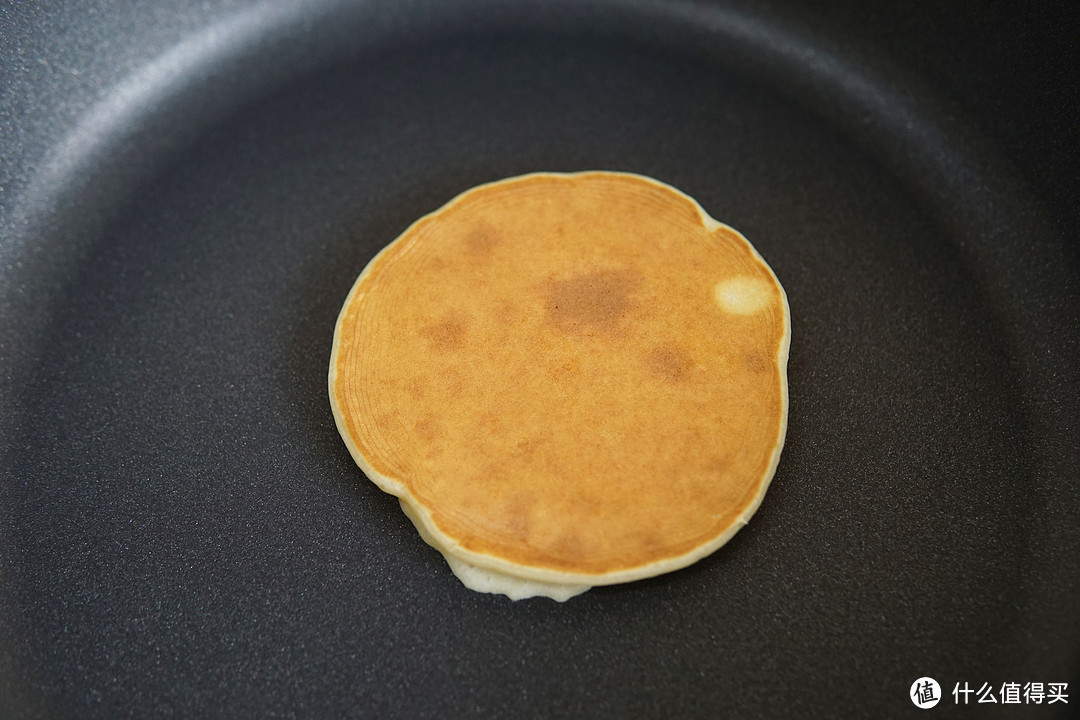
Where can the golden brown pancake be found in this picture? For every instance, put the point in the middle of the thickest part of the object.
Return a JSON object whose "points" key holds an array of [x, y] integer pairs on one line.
{"points": [[568, 380]]}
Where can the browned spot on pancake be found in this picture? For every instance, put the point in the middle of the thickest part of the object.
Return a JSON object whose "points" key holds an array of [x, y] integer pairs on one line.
{"points": [[452, 382], [670, 362], [482, 239], [490, 422], [437, 263], [757, 362], [388, 418], [518, 512], [648, 540], [717, 465], [429, 429], [416, 388], [560, 369], [568, 544], [594, 301], [447, 334], [507, 315]]}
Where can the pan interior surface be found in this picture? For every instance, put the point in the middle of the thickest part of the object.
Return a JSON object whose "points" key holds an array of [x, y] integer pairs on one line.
{"points": [[183, 530]]}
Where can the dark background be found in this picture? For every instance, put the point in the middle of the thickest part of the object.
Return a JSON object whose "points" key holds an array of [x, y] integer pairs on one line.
{"points": [[188, 191]]}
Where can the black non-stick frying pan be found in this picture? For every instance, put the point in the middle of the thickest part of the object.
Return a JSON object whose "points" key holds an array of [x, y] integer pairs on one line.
{"points": [[189, 189]]}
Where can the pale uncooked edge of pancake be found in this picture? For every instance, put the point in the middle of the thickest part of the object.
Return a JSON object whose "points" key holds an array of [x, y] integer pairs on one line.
{"points": [[487, 573]]}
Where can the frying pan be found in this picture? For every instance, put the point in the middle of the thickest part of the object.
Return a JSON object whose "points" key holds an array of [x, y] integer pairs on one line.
{"points": [[188, 190]]}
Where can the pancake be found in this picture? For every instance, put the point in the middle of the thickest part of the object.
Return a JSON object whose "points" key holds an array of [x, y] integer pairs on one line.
{"points": [[568, 380]]}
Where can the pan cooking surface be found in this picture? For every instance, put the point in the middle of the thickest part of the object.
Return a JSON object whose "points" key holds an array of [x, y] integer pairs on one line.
{"points": [[186, 534]]}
